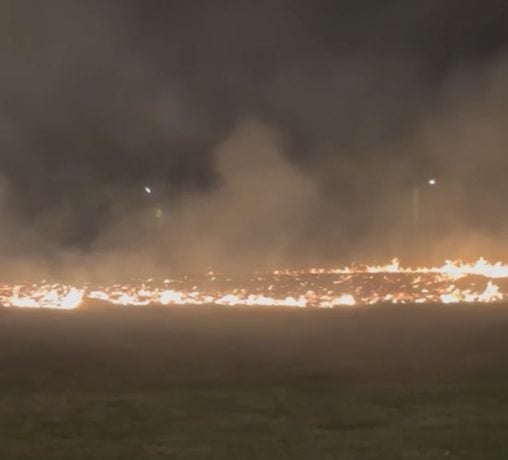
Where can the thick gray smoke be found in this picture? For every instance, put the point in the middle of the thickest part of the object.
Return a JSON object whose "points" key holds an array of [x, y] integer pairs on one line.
{"points": [[253, 216], [270, 133]]}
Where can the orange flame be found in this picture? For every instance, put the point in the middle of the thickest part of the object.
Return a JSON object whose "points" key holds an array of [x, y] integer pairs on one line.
{"points": [[324, 288]]}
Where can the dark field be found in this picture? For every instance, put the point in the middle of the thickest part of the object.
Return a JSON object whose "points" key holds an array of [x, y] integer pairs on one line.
{"points": [[422, 382]]}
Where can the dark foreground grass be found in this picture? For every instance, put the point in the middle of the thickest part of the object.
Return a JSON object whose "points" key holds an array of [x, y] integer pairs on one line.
{"points": [[257, 422], [383, 383]]}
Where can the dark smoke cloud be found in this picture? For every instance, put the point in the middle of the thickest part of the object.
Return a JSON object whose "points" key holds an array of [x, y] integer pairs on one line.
{"points": [[272, 133]]}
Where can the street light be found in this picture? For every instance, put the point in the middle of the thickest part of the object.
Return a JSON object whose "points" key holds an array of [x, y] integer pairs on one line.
{"points": [[152, 196], [416, 202], [431, 182]]}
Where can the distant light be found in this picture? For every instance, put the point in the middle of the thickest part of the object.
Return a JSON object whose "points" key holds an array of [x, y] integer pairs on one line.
{"points": [[432, 181], [148, 190]]}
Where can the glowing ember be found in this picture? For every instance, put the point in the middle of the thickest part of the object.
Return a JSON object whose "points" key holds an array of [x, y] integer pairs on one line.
{"points": [[453, 282]]}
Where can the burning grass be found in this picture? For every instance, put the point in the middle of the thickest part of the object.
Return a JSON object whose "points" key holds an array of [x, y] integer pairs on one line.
{"points": [[453, 282]]}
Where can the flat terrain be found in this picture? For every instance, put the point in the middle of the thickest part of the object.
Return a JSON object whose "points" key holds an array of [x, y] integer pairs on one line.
{"points": [[420, 382]]}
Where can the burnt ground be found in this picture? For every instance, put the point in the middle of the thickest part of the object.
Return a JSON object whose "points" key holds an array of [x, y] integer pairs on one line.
{"points": [[412, 382]]}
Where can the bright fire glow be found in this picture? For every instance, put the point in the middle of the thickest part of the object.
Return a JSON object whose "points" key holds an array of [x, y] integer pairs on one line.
{"points": [[452, 282]]}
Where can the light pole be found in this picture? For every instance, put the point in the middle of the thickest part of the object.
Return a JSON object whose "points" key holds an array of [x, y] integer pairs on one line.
{"points": [[157, 210], [415, 210]]}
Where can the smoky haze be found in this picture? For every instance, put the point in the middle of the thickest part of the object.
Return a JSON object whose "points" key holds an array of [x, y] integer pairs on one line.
{"points": [[270, 133]]}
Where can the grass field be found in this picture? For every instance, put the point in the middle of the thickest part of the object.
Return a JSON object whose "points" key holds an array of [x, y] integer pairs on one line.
{"points": [[420, 382]]}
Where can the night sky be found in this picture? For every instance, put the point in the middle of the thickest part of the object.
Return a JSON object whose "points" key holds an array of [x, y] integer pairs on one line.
{"points": [[271, 132]]}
